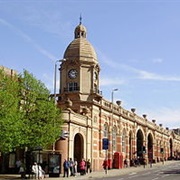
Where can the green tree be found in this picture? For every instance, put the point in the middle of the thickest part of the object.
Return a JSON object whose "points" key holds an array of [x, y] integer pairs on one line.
{"points": [[28, 116], [10, 117], [42, 120]]}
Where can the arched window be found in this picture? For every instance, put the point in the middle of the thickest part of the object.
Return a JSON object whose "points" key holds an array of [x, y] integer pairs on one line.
{"points": [[114, 134], [106, 130], [124, 141]]}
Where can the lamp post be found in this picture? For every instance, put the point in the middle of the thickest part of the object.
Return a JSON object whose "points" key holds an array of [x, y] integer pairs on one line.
{"points": [[112, 101], [55, 74], [112, 95]]}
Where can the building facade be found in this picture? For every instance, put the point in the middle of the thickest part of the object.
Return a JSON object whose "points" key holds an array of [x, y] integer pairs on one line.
{"points": [[91, 120], [10, 72]]}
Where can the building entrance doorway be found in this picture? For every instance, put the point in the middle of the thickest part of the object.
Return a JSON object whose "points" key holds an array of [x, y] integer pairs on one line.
{"points": [[139, 144], [130, 145], [150, 148], [171, 148], [78, 147]]}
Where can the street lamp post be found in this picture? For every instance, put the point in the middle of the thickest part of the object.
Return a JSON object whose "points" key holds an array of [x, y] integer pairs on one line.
{"points": [[112, 96], [112, 101], [55, 74]]}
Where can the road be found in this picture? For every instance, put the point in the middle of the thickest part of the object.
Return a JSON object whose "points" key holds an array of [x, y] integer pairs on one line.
{"points": [[164, 172]]}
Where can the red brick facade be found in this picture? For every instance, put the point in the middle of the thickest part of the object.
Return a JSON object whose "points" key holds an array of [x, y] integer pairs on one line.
{"points": [[89, 118]]}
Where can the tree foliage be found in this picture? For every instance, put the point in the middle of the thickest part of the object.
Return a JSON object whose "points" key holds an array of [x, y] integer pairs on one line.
{"points": [[29, 117], [9, 112]]}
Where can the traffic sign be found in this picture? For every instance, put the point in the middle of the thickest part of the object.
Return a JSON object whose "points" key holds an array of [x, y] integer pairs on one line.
{"points": [[105, 143]]}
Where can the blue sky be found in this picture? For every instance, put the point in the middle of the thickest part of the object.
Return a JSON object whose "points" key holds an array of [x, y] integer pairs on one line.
{"points": [[137, 43]]}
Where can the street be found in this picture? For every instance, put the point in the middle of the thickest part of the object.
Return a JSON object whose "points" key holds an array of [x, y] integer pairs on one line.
{"points": [[165, 172]]}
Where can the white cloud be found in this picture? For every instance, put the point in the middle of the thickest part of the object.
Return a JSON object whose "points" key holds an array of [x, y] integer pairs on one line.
{"points": [[111, 81], [157, 60], [166, 116], [141, 74], [106, 60], [28, 39], [153, 76], [47, 20]]}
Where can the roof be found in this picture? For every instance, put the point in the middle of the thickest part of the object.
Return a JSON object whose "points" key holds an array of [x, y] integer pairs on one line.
{"points": [[80, 46]]}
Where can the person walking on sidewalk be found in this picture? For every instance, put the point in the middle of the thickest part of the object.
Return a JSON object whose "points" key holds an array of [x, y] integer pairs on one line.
{"points": [[105, 165], [66, 168], [75, 167], [88, 166], [71, 166]]}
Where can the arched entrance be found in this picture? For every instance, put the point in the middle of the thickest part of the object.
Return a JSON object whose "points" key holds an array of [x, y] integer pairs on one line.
{"points": [[150, 148], [171, 148], [139, 144], [130, 145], [78, 147]]}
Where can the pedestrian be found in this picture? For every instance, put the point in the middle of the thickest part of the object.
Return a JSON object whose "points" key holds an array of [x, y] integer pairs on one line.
{"points": [[105, 165], [144, 162], [137, 161], [88, 166], [18, 165], [126, 162], [71, 167], [22, 171], [150, 162], [75, 167], [37, 170], [66, 168], [82, 167]]}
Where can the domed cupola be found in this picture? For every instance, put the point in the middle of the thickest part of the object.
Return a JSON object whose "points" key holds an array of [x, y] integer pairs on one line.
{"points": [[80, 48], [80, 31]]}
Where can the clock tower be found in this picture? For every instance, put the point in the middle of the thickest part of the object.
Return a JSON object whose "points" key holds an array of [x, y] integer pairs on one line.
{"points": [[79, 74]]}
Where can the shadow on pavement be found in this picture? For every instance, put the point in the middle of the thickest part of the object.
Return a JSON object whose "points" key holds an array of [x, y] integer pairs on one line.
{"points": [[174, 171]]}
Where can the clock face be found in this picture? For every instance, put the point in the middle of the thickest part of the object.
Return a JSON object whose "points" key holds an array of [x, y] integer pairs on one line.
{"points": [[72, 73]]}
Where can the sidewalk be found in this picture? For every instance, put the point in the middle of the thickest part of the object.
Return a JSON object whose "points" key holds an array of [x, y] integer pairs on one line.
{"points": [[96, 174]]}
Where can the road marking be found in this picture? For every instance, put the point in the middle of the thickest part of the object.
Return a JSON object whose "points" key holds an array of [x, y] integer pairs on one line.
{"points": [[132, 173], [155, 178], [132, 176], [146, 173], [165, 175]]}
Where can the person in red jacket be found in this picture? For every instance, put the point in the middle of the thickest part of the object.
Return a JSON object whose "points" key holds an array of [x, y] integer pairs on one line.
{"points": [[82, 167], [105, 165]]}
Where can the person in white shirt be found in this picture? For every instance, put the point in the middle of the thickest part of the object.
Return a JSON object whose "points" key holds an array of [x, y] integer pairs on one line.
{"points": [[37, 170]]}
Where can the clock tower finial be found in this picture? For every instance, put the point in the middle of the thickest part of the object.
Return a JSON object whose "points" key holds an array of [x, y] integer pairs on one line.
{"points": [[80, 19]]}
